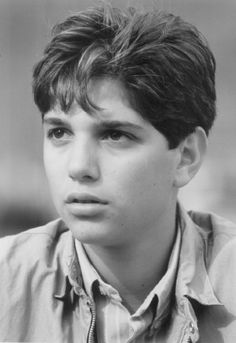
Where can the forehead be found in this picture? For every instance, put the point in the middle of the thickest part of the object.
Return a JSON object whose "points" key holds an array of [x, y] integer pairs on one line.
{"points": [[103, 89], [111, 98]]}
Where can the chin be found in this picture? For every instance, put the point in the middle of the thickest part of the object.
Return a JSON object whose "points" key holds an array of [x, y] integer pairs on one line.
{"points": [[88, 232]]}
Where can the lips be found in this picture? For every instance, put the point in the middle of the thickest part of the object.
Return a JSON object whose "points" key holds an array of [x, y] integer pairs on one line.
{"points": [[84, 198], [86, 206]]}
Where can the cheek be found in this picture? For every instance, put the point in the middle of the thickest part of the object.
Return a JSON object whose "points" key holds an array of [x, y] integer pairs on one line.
{"points": [[50, 167], [143, 179], [54, 172], [143, 192]]}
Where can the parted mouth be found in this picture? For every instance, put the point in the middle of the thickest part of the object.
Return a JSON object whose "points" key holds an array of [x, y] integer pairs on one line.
{"points": [[84, 198], [86, 201]]}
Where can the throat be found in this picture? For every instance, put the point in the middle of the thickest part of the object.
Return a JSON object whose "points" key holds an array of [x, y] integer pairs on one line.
{"points": [[132, 273]]}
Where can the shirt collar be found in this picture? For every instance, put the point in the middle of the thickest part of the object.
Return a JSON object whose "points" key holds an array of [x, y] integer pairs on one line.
{"points": [[91, 276], [164, 288], [162, 291], [72, 282], [192, 279]]}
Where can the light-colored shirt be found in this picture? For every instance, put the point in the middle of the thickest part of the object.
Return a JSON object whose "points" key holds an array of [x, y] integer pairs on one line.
{"points": [[42, 296], [115, 324]]}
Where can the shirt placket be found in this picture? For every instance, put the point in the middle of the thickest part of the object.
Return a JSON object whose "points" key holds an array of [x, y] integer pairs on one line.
{"points": [[190, 332]]}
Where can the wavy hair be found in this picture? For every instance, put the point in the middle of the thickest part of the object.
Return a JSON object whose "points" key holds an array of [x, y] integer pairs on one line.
{"points": [[163, 62]]}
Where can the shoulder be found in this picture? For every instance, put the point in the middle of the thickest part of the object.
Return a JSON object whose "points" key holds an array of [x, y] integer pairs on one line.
{"points": [[40, 246], [32, 241], [219, 235], [218, 232], [221, 255], [32, 269]]}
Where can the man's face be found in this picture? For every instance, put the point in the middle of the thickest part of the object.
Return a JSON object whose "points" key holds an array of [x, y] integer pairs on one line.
{"points": [[110, 173]]}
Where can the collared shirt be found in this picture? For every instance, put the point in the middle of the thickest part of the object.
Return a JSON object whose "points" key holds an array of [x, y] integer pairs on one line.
{"points": [[42, 298], [125, 327]]}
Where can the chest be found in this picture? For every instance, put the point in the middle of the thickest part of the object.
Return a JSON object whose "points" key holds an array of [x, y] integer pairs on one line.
{"points": [[113, 327]]}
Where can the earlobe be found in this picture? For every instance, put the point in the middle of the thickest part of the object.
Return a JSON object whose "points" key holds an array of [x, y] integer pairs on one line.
{"points": [[191, 154]]}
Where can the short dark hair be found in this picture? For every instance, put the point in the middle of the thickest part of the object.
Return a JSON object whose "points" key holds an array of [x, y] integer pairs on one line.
{"points": [[163, 62]]}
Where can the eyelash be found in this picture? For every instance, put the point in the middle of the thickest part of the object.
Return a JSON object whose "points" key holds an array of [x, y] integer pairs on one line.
{"points": [[105, 135], [51, 132], [110, 132]]}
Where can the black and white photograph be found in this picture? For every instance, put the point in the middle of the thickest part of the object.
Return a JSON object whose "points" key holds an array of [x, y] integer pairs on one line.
{"points": [[118, 171]]}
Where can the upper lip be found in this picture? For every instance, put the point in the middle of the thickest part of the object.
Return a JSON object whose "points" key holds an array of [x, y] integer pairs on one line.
{"points": [[84, 198]]}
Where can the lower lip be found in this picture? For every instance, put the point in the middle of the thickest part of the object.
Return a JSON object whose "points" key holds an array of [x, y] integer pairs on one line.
{"points": [[86, 209]]}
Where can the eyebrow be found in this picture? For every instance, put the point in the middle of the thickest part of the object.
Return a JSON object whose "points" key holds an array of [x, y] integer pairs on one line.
{"points": [[101, 124], [53, 121], [117, 124]]}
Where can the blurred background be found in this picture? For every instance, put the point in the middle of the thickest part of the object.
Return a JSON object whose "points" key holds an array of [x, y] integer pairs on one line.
{"points": [[24, 31]]}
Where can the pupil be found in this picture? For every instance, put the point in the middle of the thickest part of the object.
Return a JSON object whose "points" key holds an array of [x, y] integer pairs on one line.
{"points": [[115, 135], [58, 133]]}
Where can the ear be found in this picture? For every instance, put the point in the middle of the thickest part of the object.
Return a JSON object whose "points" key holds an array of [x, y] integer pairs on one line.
{"points": [[191, 154]]}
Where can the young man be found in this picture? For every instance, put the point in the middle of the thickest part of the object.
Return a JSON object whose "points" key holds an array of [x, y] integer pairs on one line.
{"points": [[127, 101]]}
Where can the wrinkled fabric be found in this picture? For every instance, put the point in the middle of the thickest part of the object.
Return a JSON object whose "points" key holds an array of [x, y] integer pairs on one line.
{"points": [[42, 298], [124, 326]]}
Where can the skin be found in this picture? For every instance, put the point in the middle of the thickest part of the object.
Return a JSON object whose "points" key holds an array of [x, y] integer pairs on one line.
{"points": [[133, 170]]}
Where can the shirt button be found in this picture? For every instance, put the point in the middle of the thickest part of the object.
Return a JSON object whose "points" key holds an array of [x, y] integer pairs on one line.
{"points": [[191, 328], [157, 324]]}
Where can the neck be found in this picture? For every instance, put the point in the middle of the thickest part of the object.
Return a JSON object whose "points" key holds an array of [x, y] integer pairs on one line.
{"points": [[135, 270]]}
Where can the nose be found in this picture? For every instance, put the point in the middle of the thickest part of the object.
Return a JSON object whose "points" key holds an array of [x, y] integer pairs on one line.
{"points": [[83, 164]]}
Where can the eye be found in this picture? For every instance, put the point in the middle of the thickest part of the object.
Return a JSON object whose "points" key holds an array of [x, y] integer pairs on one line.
{"points": [[58, 134], [115, 135]]}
